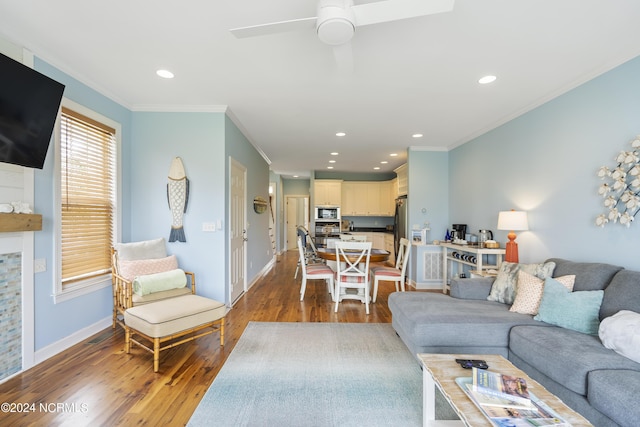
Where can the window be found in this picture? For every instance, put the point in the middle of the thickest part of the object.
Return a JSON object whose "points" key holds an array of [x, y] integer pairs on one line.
{"points": [[87, 147]]}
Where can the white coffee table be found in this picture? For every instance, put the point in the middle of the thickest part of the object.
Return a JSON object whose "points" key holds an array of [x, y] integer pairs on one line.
{"points": [[441, 371]]}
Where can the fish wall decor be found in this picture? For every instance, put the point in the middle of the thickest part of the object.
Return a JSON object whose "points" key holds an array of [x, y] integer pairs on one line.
{"points": [[177, 196]]}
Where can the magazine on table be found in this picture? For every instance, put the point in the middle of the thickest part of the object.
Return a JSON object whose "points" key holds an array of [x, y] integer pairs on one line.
{"points": [[512, 414], [501, 386]]}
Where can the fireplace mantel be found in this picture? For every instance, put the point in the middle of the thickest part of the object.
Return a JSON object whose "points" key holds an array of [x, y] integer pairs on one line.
{"points": [[12, 222]]}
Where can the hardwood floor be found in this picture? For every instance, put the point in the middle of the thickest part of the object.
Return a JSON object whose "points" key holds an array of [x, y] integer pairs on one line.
{"points": [[95, 383]]}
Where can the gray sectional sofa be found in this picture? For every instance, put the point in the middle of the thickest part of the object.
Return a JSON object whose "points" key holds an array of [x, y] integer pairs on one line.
{"points": [[597, 382]]}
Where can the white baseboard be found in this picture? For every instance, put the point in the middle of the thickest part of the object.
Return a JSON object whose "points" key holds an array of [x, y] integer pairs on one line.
{"points": [[71, 340], [425, 285], [262, 272]]}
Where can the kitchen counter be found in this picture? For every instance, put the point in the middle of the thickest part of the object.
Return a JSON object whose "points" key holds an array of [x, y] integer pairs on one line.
{"points": [[367, 230]]}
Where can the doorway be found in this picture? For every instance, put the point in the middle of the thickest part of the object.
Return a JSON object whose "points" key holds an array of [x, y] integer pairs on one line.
{"points": [[237, 230], [296, 213]]}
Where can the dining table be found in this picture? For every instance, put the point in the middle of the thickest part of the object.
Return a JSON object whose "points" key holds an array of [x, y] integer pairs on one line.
{"points": [[377, 255]]}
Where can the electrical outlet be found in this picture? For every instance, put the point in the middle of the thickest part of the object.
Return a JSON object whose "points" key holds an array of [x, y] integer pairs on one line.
{"points": [[39, 265]]}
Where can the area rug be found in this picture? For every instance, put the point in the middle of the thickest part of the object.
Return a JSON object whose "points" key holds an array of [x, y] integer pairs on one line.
{"points": [[315, 374]]}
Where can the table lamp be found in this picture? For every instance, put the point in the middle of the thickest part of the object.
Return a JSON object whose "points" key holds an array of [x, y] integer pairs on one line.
{"points": [[512, 221]]}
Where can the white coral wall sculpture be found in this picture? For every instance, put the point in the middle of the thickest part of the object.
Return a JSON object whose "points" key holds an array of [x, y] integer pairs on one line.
{"points": [[620, 187]]}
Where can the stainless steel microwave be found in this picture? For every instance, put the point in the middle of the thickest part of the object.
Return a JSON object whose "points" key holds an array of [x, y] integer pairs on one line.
{"points": [[327, 213]]}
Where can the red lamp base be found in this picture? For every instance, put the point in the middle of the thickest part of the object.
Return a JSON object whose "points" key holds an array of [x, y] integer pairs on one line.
{"points": [[511, 254]]}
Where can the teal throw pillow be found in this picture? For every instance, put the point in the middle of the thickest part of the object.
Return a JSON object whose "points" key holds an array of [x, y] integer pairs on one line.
{"points": [[577, 311]]}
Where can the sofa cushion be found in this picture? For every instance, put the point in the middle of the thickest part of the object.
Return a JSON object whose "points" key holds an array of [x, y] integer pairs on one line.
{"points": [[167, 317], [566, 356], [621, 333], [590, 276], [622, 294], [614, 393], [504, 287], [432, 319], [475, 288], [573, 310]]}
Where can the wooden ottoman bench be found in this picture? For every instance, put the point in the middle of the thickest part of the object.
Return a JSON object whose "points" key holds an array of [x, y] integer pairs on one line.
{"points": [[178, 320]]}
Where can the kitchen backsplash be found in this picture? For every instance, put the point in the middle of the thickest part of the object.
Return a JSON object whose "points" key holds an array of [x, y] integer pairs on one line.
{"points": [[369, 221]]}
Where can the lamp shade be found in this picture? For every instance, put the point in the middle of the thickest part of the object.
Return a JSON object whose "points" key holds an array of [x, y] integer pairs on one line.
{"points": [[513, 220]]}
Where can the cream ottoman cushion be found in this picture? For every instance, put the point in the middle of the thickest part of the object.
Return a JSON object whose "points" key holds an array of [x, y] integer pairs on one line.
{"points": [[167, 317]]}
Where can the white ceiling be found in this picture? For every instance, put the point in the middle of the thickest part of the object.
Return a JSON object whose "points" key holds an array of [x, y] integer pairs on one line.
{"points": [[418, 75]]}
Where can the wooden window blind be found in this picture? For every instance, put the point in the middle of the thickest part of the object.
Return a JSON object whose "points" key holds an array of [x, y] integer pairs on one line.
{"points": [[87, 154]]}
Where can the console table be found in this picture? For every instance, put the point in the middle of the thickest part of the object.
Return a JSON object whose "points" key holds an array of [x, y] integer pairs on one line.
{"points": [[478, 252]]}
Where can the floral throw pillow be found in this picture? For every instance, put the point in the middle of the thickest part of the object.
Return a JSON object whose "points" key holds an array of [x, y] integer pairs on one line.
{"points": [[504, 287], [529, 292]]}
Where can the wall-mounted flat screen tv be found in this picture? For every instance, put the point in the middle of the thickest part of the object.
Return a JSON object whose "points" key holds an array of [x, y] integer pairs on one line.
{"points": [[29, 103]]}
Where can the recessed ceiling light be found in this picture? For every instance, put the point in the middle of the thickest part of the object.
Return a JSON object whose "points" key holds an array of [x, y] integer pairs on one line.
{"points": [[329, 167], [487, 79], [332, 161], [384, 162], [340, 134], [393, 154], [165, 74], [417, 135], [295, 176], [334, 153], [377, 168]]}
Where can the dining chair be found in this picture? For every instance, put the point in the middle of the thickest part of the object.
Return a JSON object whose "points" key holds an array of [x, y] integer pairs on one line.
{"points": [[310, 250], [353, 272], [314, 272], [392, 274]]}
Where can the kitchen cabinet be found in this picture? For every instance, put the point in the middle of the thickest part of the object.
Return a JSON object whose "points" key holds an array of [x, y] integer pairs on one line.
{"points": [[377, 240], [327, 192], [403, 180], [389, 247], [354, 199], [367, 198]]}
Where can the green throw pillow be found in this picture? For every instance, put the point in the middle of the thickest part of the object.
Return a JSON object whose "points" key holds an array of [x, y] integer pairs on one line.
{"points": [[578, 311]]}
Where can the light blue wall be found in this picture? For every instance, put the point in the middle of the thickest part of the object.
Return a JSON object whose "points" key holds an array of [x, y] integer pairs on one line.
{"points": [[259, 244], [428, 194], [197, 138], [545, 162], [54, 322], [296, 187]]}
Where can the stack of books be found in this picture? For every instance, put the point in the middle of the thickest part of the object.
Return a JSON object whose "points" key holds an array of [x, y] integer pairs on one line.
{"points": [[506, 400]]}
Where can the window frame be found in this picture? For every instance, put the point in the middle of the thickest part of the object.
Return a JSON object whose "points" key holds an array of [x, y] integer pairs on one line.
{"points": [[86, 286]]}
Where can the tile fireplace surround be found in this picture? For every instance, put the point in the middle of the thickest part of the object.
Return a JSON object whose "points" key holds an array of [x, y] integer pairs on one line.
{"points": [[10, 314]]}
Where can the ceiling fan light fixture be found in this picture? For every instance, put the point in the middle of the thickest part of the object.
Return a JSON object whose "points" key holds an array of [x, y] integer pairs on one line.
{"points": [[335, 24]]}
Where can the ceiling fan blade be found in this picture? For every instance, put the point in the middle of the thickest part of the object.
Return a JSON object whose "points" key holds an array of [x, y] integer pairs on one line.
{"points": [[274, 27], [394, 10]]}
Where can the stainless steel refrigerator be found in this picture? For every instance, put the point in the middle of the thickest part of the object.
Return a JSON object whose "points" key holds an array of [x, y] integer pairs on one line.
{"points": [[400, 222]]}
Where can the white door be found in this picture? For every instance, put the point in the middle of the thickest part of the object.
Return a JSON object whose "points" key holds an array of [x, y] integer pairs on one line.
{"points": [[238, 230], [297, 213]]}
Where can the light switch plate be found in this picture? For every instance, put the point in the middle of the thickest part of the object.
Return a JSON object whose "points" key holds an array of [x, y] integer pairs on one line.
{"points": [[39, 265]]}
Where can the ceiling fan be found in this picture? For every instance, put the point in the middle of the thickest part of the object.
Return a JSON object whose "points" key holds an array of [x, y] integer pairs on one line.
{"points": [[337, 20]]}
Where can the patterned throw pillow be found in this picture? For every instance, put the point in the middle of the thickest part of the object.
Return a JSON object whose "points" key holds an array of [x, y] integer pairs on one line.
{"points": [[504, 287], [529, 292], [132, 269]]}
